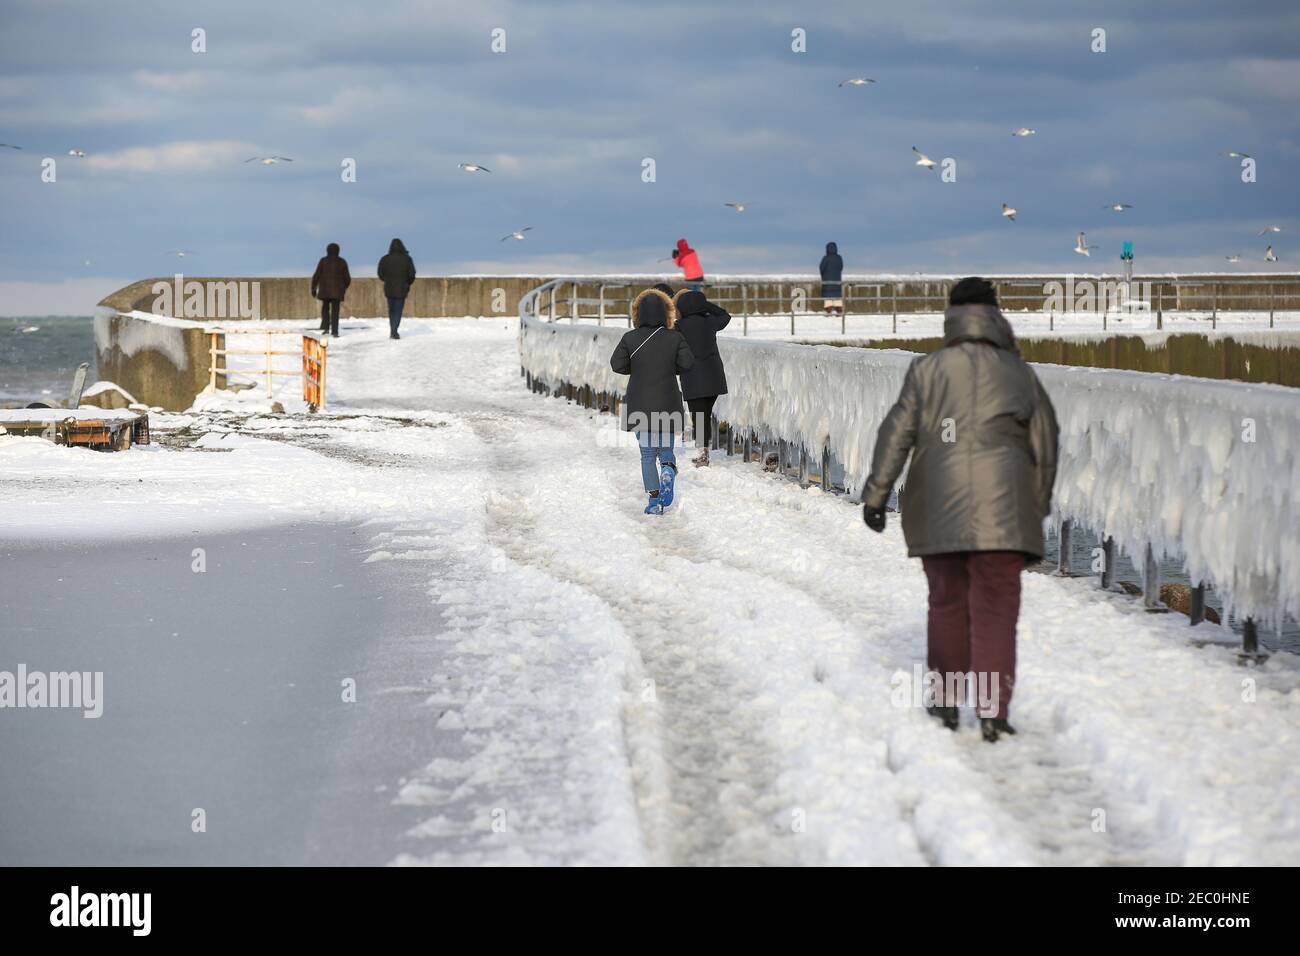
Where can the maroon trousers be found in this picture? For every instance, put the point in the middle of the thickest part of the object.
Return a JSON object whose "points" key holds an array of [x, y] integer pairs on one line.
{"points": [[974, 603]]}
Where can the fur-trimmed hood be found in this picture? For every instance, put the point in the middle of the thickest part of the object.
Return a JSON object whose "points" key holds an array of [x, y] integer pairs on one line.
{"points": [[652, 308]]}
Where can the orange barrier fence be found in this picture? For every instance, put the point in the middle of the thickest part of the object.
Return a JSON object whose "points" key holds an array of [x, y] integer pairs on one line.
{"points": [[314, 351]]}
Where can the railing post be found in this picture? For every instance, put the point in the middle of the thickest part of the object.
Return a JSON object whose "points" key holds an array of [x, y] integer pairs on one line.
{"points": [[893, 304], [1063, 540], [212, 365], [826, 468], [1160, 301], [573, 304], [1108, 563], [1249, 639], [844, 307], [1197, 611], [1270, 303], [270, 372], [803, 466], [744, 305], [748, 446], [601, 320], [1214, 315], [713, 434]]}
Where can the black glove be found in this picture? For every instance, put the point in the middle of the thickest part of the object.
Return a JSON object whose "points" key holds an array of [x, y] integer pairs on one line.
{"points": [[874, 518]]}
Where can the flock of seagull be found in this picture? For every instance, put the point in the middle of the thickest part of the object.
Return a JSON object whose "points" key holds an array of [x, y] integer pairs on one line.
{"points": [[925, 162]]}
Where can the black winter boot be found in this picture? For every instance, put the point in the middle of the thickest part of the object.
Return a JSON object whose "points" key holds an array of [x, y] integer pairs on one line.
{"points": [[945, 715], [994, 727]]}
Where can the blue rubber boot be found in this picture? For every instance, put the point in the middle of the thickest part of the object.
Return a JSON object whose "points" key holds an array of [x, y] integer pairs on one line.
{"points": [[655, 507], [667, 474]]}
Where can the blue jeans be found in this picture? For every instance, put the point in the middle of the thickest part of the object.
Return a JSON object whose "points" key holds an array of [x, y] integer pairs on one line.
{"points": [[695, 285], [654, 445], [395, 313]]}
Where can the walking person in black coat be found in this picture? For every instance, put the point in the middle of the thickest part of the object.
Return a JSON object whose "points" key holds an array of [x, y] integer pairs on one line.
{"points": [[653, 353], [329, 283], [700, 321], [398, 272], [832, 270]]}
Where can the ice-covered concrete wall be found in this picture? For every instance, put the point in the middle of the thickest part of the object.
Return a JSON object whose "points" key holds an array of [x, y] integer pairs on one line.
{"points": [[160, 362], [1203, 469]]}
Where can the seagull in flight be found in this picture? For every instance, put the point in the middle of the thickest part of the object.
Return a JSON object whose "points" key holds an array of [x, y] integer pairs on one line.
{"points": [[1267, 229], [517, 235], [1118, 206], [1268, 255], [1081, 246], [182, 253], [858, 81], [473, 168], [1233, 258], [1009, 212], [77, 152], [923, 159], [738, 206], [9, 146], [1024, 131], [1235, 154], [268, 160]]}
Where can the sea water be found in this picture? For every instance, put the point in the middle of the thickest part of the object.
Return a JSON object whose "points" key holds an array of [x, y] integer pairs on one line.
{"points": [[39, 356]]}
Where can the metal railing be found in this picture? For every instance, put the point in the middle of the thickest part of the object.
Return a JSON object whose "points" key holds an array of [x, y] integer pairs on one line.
{"points": [[608, 298], [311, 371]]}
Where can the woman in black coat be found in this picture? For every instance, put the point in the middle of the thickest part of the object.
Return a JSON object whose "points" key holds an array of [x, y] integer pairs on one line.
{"points": [[700, 322], [653, 354], [329, 283], [832, 270]]}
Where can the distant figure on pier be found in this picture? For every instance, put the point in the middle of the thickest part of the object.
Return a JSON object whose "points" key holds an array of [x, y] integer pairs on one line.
{"points": [[653, 353], [329, 283], [832, 270], [398, 272], [688, 260], [700, 321], [978, 489]]}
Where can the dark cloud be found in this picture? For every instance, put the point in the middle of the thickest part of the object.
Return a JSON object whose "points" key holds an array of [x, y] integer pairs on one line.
{"points": [[711, 91]]}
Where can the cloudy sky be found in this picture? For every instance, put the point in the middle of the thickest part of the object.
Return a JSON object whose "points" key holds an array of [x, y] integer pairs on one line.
{"points": [[585, 91]]}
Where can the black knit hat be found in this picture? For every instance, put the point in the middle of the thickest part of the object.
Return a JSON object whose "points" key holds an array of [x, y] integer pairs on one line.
{"points": [[973, 291]]}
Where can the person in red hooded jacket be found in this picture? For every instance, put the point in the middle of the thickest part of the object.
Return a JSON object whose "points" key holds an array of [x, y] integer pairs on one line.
{"points": [[688, 261]]}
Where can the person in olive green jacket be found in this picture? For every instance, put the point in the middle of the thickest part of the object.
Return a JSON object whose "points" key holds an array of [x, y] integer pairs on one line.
{"points": [[982, 436]]}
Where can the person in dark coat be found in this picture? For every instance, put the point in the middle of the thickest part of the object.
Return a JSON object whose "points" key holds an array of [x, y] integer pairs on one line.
{"points": [[982, 436], [832, 270], [700, 321], [329, 283], [653, 353], [398, 272]]}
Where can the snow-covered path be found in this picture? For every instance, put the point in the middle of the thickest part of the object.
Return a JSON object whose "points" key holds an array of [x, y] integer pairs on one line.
{"points": [[758, 628], [714, 686]]}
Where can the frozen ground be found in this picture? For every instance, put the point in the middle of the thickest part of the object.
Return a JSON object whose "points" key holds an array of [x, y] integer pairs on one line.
{"points": [[595, 686]]}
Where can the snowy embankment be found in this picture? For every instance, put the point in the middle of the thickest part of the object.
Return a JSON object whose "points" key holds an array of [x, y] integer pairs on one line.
{"points": [[1200, 468]]}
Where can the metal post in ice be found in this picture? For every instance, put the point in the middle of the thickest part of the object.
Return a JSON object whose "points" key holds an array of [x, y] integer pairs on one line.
{"points": [[1197, 611], [1063, 541], [1107, 563]]}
